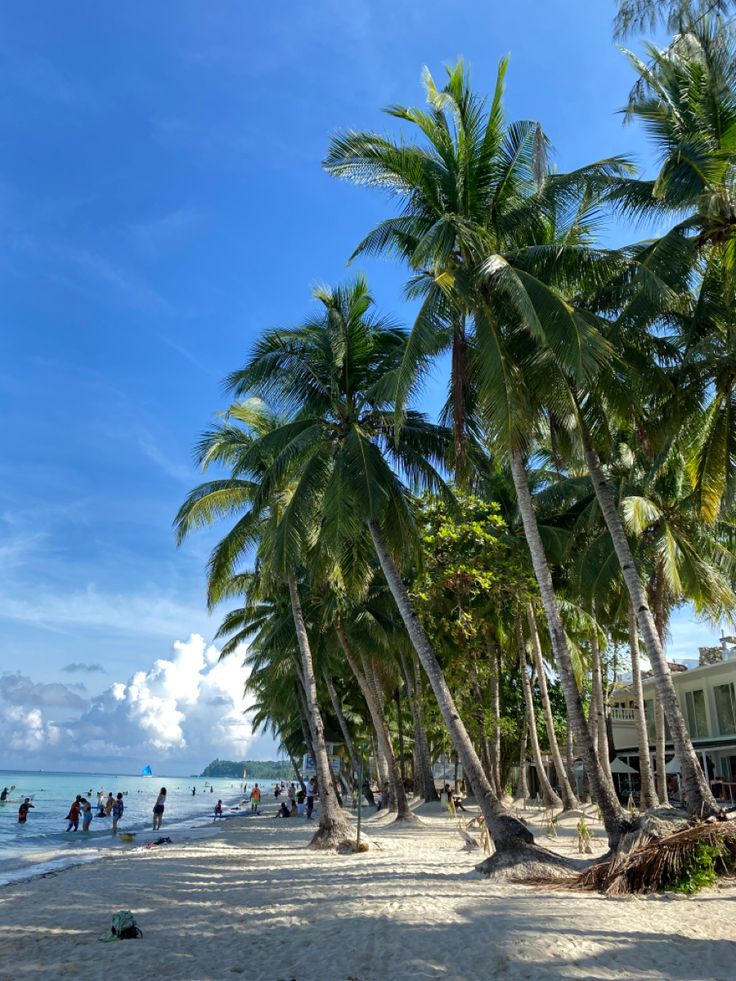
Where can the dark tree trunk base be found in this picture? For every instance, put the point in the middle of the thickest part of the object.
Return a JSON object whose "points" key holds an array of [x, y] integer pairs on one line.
{"points": [[522, 860], [406, 819], [338, 836]]}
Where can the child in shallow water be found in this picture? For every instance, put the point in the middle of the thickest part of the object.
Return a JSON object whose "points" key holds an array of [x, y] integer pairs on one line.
{"points": [[86, 817]]}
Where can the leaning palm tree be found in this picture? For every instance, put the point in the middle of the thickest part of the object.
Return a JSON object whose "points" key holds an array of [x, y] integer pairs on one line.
{"points": [[494, 243], [260, 523]]}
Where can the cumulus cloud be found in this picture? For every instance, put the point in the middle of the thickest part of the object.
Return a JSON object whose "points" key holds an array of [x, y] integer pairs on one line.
{"points": [[185, 710], [77, 666], [20, 690]]}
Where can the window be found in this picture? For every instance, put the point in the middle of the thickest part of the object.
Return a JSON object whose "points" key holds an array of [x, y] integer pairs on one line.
{"points": [[725, 709], [697, 720]]}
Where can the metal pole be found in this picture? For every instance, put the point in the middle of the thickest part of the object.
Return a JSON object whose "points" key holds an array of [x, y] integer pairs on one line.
{"points": [[360, 793]]}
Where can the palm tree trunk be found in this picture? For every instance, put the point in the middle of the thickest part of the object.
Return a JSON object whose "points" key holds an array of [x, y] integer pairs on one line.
{"points": [[507, 832], [334, 829], [569, 758], [298, 772], [522, 786], [615, 819], [400, 732], [480, 722], [496, 714], [569, 799], [342, 722], [378, 717], [660, 750], [549, 796], [660, 734], [599, 720], [699, 799], [648, 792], [423, 770]]}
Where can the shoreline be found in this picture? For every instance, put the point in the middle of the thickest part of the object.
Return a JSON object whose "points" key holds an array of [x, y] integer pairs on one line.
{"points": [[253, 900], [103, 844]]}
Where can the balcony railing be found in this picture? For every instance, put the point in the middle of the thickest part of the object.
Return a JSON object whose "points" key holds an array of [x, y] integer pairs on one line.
{"points": [[622, 715]]}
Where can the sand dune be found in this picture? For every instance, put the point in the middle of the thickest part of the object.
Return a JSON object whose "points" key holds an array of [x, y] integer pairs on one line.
{"points": [[253, 901]]}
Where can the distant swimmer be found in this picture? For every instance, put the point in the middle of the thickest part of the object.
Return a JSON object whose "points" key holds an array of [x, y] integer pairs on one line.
{"points": [[23, 810]]}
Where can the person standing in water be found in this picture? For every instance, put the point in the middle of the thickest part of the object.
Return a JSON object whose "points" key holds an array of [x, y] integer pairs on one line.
{"points": [[4, 794], [86, 817], [73, 815], [118, 809], [23, 810], [158, 810], [109, 804]]}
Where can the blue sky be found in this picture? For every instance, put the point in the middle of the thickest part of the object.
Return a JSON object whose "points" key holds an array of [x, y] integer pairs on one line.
{"points": [[161, 201]]}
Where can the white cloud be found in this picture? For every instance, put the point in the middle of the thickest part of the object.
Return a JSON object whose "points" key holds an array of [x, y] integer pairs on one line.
{"points": [[147, 612], [187, 708]]}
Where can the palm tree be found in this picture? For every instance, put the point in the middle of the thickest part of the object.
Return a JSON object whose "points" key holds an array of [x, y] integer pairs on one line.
{"points": [[676, 15], [261, 521], [335, 375], [491, 238]]}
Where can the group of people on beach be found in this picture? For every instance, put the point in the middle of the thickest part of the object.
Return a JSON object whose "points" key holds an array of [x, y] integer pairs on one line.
{"points": [[297, 803], [81, 807]]}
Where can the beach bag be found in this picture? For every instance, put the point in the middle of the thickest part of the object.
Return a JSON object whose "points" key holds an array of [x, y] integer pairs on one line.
{"points": [[123, 927]]}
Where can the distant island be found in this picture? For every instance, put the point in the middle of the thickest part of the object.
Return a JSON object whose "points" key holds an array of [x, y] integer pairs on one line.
{"points": [[255, 769]]}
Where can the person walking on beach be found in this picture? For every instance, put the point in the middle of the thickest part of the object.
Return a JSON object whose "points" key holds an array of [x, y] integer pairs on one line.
{"points": [[118, 809], [218, 810], [73, 815], [86, 817], [23, 810], [311, 793], [158, 810], [255, 799]]}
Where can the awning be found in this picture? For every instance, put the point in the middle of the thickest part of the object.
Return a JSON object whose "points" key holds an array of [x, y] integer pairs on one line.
{"points": [[618, 766]]}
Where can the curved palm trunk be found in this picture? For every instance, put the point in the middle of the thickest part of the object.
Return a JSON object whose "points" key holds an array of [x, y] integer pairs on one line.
{"points": [[549, 796], [423, 770], [342, 722], [378, 717], [507, 832], [699, 799], [648, 792], [334, 828], [569, 799], [615, 819]]}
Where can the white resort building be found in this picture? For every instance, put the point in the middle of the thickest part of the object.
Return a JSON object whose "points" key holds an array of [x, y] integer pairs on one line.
{"points": [[707, 696]]}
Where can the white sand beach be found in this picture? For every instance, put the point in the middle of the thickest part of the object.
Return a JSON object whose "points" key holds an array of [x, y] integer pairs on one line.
{"points": [[254, 901]]}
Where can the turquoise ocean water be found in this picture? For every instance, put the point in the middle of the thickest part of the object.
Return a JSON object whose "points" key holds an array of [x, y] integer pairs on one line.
{"points": [[42, 845]]}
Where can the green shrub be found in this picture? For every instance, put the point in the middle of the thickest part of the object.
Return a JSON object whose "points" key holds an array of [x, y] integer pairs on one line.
{"points": [[697, 870]]}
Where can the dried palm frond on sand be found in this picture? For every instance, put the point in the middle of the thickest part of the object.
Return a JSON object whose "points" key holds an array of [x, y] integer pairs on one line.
{"points": [[646, 864]]}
